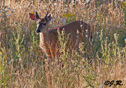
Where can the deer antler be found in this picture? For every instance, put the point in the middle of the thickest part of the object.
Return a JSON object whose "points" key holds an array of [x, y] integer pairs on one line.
{"points": [[37, 16]]}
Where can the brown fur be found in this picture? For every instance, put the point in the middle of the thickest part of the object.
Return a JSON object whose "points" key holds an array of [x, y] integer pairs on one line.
{"points": [[49, 39]]}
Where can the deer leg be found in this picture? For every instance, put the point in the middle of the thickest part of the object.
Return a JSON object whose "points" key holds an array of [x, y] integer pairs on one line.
{"points": [[47, 73]]}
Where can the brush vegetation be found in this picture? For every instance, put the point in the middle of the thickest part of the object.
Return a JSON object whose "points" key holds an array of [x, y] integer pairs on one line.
{"points": [[22, 62]]}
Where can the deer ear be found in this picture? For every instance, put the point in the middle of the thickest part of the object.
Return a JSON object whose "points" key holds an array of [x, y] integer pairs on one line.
{"points": [[33, 16]]}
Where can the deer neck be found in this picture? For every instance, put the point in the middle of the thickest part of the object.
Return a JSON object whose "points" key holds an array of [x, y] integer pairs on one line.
{"points": [[44, 36]]}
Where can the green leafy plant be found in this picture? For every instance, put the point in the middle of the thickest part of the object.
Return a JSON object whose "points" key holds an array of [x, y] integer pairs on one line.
{"points": [[70, 17]]}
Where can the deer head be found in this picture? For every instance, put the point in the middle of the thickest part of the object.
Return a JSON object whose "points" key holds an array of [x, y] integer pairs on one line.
{"points": [[42, 23]]}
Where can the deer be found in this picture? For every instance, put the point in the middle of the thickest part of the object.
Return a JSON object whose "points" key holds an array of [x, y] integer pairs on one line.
{"points": [[49, 42], [49, 38]]}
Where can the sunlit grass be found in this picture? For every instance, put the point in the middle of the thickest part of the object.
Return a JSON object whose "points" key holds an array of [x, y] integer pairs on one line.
{"points": [[22, 62]]}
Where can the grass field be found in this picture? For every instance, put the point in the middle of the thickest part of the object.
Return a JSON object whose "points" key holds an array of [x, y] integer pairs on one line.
{"points": [[22, 62]]}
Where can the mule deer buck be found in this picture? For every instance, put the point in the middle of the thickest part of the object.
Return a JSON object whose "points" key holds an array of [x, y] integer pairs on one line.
{"points": [[49, 38]]}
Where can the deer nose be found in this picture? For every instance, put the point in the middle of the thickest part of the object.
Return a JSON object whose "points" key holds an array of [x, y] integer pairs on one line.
{"points": [[37, 31]]}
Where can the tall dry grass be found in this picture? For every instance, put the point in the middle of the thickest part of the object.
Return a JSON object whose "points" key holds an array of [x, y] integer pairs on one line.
{"points": [[22, 62]]}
